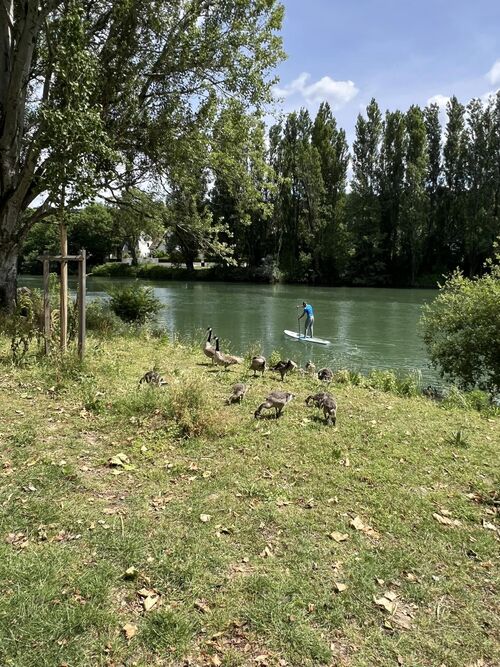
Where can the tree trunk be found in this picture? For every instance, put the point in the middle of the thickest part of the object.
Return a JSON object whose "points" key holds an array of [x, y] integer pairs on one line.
{"points": [[8, 275], [133, 254]]}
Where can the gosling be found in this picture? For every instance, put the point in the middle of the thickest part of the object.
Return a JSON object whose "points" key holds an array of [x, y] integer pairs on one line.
{"points": [[284, 367], [276, 400], [310, 367], [238, 393], [258, 363], [325, 374], [154, 378], [326, 401]]}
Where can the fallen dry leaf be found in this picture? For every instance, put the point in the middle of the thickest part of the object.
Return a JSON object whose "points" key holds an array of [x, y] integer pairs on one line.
{"points": [[338, 537], [445, 521], [489, 526], [149, 602], [402, 619], [202, 606], [119, 460], [131, 573], [339, 587], [145, 592], [216, 661], [387, 604], [130, 630], [266, 553], [358, 524], [205, 518]]}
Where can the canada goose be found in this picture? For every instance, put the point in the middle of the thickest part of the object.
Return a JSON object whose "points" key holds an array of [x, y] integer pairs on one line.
{"points": [[225, 359], [284, 367], [239, 390], [208, 348], [258, 363], [276, 400], [310, 367], [152, 377], [325, 374], [326, 401]]}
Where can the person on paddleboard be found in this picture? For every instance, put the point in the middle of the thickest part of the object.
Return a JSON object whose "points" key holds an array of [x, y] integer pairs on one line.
{"points": [[309, 315]]}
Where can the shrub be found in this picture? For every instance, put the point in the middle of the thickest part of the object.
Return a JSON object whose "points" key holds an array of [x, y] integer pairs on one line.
{"points": [[25, 323], [461, 329], [115, 269], [101, 319], [184, 403], [134, 303], [383, 380]]}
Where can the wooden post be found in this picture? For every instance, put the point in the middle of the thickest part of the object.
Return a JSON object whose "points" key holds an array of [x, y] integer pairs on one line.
{"points": [[82, 293], [46, 305], [63, 299]]}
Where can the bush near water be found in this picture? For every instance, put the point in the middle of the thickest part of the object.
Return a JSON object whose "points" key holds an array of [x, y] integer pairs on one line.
{"points": [[461, 329]]}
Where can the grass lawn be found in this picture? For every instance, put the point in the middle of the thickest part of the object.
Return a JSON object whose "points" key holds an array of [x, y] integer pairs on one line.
{"points": [[251, 542]]}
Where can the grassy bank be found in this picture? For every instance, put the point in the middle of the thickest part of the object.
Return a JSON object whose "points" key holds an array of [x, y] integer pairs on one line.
{"points": [[251, 542]]}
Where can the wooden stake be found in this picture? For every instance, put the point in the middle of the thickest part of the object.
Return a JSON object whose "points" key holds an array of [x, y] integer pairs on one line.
{"points": [[63, 300], [82, 294], [46, 305]]}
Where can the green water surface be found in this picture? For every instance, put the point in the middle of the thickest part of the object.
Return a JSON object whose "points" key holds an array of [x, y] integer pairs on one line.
{"points": [[368, 327]]}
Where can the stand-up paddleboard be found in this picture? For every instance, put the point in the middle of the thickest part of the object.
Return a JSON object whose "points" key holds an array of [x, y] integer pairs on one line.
{"points": [[304, 339]]}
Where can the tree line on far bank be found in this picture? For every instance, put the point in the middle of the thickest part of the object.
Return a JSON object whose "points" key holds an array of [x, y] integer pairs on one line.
{"points": [[422, 199]]}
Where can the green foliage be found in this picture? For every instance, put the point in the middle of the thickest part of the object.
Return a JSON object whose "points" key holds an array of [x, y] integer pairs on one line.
{"points": [[134, 303], [115, 269], [24, 324], [137, 215], [461, 329], [102, 320], [458, 439]]}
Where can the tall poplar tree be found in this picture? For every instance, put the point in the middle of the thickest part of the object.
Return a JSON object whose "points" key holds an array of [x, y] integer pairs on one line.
{"points": [[392, 172], [414, 205], [364, 207], [331, 242], [433, 237], [455, 179]]}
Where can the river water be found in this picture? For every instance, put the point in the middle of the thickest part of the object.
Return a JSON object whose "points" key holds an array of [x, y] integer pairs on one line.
{"points": [[368, 327]]}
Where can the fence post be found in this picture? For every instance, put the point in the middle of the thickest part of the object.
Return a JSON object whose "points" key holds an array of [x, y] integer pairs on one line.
{"points": [[82, 297], [46, 305], [63, 299]]}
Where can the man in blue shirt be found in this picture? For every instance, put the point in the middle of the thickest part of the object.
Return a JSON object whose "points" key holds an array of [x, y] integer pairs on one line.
{"points": [[309, 314]]}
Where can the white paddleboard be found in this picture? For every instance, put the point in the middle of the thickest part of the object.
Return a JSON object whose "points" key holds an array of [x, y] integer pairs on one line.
{"points": [[309, 339]]}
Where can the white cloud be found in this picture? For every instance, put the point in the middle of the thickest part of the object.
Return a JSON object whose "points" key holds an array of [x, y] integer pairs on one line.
{"points": [[494, 74], [337, 93], [440, 100]]}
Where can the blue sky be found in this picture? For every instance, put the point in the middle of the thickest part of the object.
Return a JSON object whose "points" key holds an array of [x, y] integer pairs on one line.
{"points": [[399, 52]]}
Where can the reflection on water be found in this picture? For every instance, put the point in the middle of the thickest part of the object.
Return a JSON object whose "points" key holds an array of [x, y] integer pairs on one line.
{"points": [[368, 327]]}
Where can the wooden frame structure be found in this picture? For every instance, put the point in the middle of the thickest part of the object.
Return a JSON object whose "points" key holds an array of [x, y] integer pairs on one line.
{"points": [[63, 307]]}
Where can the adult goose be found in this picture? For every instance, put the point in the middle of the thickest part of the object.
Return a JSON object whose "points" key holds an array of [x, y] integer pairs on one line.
{"points": [[208, 348], [225, 360]]}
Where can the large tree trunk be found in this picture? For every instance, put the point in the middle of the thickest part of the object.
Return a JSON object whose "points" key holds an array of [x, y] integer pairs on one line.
{"points": [[8, 274]]}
